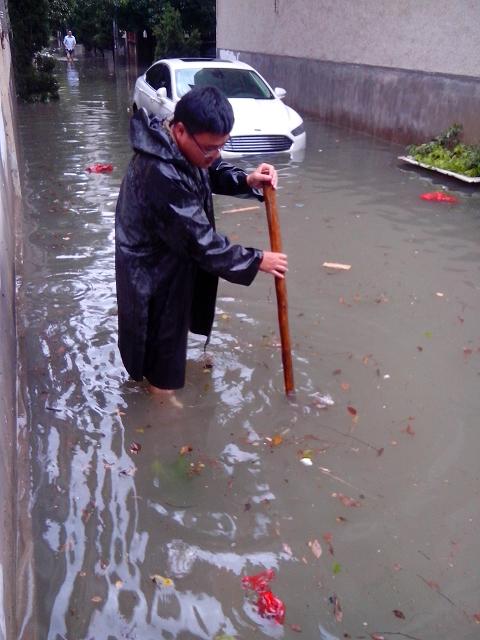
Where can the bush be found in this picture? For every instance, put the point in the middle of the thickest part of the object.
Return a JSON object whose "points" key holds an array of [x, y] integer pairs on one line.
{"points": [[447, 152]]}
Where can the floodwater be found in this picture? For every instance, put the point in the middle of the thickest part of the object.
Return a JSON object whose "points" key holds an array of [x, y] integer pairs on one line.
{"points": [[362, 494]]}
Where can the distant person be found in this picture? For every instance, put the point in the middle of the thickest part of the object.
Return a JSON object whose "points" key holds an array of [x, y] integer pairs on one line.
{"points": [[168, 254], [69, 44]]}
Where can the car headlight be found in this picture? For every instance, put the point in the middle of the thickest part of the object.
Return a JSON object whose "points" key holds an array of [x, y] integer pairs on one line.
{"points": [[298, 130]]}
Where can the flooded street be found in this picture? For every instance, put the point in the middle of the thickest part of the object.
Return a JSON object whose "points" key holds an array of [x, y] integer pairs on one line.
{"points": [[362, 495]]}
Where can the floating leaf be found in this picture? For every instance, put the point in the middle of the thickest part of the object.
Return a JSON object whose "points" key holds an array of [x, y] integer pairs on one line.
{"points": [[161, 581], [337, 608], [296, 627], [135, 447], [315, 547], [377, 636], [476, 617], [276, 440], [119, 584], [352, 411], [96, 599], [287, 548], [345, 500], [185, 449], [336, 568], [399, 614]]}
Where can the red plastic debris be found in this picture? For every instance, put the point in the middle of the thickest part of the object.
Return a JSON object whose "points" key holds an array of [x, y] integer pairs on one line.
{"points": [[439, 196], [99, 168], [258, 582], [269, 605]]}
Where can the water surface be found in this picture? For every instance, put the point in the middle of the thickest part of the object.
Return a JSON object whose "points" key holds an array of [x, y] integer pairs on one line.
{"points": [[122, 489]]}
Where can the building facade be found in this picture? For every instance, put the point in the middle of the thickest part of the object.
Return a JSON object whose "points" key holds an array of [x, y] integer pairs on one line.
{"points": [[403, 71]]}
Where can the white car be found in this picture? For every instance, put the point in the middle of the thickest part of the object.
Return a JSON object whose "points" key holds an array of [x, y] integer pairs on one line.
{"points": [[263, 123]]}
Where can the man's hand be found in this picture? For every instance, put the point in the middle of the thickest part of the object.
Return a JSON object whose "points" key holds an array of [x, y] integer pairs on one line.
{"points": [[263, 174], [274, 263]]}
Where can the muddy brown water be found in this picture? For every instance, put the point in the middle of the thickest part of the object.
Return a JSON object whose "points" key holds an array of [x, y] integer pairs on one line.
{"points": [[383, 482]]}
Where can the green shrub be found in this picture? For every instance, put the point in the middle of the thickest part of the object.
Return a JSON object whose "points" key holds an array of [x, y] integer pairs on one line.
{"points": [[447, 152]]}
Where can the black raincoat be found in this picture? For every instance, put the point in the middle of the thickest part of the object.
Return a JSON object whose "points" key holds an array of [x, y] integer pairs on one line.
{"points": [[168, 254]]}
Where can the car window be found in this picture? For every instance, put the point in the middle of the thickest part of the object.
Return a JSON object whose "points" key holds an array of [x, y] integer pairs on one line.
{"points": [[159, 76], [235, 83]]}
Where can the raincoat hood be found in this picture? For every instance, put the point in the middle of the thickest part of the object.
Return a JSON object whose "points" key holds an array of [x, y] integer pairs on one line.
{"points": [[148, 134]]}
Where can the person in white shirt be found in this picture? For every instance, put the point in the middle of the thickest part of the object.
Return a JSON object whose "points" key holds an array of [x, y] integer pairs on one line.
{"points": [[69, 43]]}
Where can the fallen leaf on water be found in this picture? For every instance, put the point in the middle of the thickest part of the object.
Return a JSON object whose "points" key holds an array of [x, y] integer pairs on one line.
{"points": [[344, 386], [352, 411], [135, 447], [336, 568], [341, 519], [119, 584], [476, 617], [345, 500], [287, 548], [380, 451], [336, 372], [377, 636], [96, 599], [397, 567], [276, 440], [432, 584], [328, 537], [409, 430], [399, 614], [296, 627], [161, 581], [185, 449], [337, 608], [315, 548]]}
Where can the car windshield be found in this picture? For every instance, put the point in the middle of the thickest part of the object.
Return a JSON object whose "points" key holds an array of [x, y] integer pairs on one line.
{"points": [[235, 83]]}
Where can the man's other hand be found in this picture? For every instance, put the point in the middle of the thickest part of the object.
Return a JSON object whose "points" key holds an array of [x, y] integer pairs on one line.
{"points": [[263, 174]]}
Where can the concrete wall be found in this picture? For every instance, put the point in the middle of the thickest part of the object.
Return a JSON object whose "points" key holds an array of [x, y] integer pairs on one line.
{"points": [[424, 35], [9, 203], [400, 70]]}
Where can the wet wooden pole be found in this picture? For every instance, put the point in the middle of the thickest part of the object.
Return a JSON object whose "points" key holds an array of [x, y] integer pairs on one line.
{"points": [[281, 289]]}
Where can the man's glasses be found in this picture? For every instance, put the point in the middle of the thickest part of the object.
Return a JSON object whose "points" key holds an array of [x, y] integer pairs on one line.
{"points": [[207, 152]]}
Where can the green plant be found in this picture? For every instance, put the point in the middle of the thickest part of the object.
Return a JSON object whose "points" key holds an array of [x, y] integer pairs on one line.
{"points": [[447, 152]]}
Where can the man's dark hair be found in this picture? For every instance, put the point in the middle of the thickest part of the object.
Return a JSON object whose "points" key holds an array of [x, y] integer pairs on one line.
{"points": [[205, 110]]}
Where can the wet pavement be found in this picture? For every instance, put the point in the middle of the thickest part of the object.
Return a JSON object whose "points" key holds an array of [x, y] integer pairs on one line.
{"points": [[362, 495]]}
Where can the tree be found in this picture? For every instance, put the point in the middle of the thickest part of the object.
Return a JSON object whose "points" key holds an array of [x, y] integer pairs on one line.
{"points": [[172, 38], [59, 13], [30, 27]]}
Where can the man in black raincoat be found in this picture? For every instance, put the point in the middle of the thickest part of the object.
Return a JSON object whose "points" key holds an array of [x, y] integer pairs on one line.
{"points": [[168, 254]]}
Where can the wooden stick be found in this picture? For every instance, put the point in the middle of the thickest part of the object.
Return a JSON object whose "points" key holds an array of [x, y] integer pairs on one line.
{"points": [[281, 289]]}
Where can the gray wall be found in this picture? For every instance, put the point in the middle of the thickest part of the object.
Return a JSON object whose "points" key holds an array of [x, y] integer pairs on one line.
{"points": [[424, 35], [402, 71], [9, 202]]}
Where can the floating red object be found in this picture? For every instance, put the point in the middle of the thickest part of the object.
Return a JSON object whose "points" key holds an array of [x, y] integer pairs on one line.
{"points": [[439, 196], [99, 168], [270, 606], [258, 582]]}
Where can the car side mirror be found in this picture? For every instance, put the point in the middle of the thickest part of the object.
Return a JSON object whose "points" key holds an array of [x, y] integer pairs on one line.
{"points": [[280, 93], [161, 93]]}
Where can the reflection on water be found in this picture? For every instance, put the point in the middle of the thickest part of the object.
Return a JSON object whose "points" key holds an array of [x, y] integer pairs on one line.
{"points": [[123, 489]]}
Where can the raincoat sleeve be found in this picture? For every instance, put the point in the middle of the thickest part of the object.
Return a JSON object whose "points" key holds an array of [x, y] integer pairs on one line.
{"points": [[227, 180], [182, 224]]}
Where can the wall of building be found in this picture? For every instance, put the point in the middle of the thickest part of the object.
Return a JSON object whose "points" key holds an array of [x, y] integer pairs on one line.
{"points": [[403, 71], [9, 206]]}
